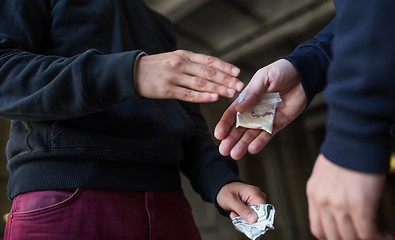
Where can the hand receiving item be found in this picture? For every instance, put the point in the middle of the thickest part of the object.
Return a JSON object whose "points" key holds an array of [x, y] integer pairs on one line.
{"points": [[186, 76]]}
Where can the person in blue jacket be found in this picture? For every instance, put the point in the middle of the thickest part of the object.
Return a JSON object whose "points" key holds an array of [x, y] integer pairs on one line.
{"points": [[104, 117], [353, 60]]}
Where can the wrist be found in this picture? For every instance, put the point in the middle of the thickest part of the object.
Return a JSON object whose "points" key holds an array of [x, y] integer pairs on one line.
{"points": [[137, 73]]}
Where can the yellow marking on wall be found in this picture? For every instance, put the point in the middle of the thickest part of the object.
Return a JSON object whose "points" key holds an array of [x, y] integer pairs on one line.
{"points": [[392, 163]]}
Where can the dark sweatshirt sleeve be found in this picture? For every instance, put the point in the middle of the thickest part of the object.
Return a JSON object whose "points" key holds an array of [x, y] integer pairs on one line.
{"points": [[361, 86], [311, 60], [207, 170], [35, 86]]}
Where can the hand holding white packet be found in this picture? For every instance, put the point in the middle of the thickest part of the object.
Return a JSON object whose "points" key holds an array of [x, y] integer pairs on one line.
{"points": [[261, 116], [264, 223]]}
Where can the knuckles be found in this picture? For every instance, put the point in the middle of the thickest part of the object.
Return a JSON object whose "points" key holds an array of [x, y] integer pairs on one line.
{"points": [[208, 59], [200, 83], [210, 72], [176, 61], [181, 52], [188, 94]]}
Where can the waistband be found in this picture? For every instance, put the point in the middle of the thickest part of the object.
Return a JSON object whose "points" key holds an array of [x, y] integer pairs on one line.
{"points": [[36, 175]]}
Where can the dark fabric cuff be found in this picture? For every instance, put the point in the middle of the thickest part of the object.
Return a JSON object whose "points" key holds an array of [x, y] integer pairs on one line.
{"points": [[357, 142], [110, 77], [311, 67]]}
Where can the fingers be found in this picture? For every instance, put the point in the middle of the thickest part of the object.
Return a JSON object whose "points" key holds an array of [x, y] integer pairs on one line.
{"points": [[213, 62], [241, 146], [326, 225], [193, 96], [315, 221], [235, 141], [237, 197], [225, 127], [345, 227], [248, 196], [201, 84], [226, 123], [245, 212], [259, 142], [240, 140], [233, 215], [230, 141], [219, 82], [208, 69], [329, 225], [363, 218], [185, 76], [363, 209]]}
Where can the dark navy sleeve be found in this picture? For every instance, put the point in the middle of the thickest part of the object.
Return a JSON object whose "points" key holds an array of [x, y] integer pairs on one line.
{"points": [[361, 86], [311, 60], [38, 86], [207, 170]]}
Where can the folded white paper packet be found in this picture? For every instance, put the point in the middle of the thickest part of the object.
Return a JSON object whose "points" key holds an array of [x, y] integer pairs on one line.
{"points": [[265, 221], [261, 116]]}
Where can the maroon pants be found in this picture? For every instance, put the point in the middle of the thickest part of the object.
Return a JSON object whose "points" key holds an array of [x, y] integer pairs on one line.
{"points": [[94, 214]]}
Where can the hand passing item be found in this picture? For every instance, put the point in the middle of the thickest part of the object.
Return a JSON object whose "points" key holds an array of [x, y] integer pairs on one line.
{"points": [[261, 116], [265, 221]]}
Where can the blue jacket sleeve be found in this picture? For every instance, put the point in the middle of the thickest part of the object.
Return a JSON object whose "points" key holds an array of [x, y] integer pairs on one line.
{"points": [[37, 86], [361, 86], [207, 170], [311, 60]]}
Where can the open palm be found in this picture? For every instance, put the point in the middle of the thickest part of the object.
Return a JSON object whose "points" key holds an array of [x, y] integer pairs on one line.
{"points": [[279, 76]]}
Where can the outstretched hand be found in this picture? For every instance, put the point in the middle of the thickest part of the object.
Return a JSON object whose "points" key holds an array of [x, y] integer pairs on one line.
{"points": [[186, 76], [237, 197], [279, 76]]}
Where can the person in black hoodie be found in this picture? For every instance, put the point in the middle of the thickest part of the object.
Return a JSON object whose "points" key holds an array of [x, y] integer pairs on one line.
{"points": [[353, 60], [104, 117]]}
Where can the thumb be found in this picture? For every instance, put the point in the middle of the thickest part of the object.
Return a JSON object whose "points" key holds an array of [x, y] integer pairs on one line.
{"points": [[247, 99], [252, 93], [233, 215], [245, 212], [226, 122]]}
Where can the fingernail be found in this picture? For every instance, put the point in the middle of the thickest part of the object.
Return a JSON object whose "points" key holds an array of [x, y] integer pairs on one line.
{"points": [[251, 218], [239, 86], [235, 71], [231, 92], [242, 96], [214, 96]]}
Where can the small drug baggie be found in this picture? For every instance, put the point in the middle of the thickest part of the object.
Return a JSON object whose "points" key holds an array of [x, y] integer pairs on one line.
{"points": [[265, 221], [261, 116]]}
